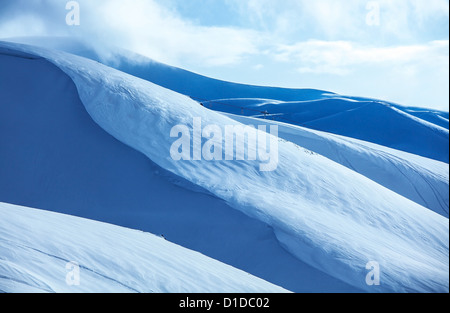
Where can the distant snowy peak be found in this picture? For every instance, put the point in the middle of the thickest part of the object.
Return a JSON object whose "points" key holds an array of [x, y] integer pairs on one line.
{"points": [[176, 79], [374, 121]]}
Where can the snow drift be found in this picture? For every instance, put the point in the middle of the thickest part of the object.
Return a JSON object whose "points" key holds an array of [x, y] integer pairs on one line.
{"points": [[416, 130], [54, 157], [325, 214], [110, 259], [423, 180]]}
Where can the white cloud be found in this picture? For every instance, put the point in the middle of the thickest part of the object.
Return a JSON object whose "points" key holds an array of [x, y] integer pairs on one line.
{"points": [[342, 57], [299, 20], [153, 30], [415, 75], [27, 24], [323, 40], [143, 26], [258, 67]]}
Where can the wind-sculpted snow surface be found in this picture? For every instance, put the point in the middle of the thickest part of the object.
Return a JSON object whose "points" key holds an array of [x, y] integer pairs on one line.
{"points": [[55, 157], [48, 252], [423, 180], [323, 213], [415, 130]]}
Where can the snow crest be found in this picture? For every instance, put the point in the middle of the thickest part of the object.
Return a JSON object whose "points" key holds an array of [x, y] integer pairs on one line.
{"points": [[322, 212]]}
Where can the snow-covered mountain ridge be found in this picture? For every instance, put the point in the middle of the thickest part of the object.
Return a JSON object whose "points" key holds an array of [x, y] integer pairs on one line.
{"points": [[331, 218]]}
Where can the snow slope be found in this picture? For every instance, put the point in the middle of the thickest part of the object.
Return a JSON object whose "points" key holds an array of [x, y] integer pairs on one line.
{"points": [[423, 180], [370, 120], [37, 245], [54, 157], [415, 130], [433, 116], [323, 213]]}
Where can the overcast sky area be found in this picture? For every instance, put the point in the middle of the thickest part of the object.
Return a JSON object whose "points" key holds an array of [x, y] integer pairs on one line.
{"points": [[396, 50]]}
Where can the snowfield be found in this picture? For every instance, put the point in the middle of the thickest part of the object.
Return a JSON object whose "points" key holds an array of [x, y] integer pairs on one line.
{"points": [[423, 180], [333, 204], [37, 245]]}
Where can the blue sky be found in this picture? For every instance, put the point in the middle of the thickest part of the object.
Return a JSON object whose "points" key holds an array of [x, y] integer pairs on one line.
{"points": [[396, 50]]}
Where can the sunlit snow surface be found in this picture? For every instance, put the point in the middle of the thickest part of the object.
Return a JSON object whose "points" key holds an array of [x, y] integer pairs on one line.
{"points": [[332, 211], [36, 247]]}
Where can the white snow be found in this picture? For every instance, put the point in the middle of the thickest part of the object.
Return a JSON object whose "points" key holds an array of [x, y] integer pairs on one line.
{"points": [[389, 124], [37, 245], [323, 213], [423, 180], [68, 164]]}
